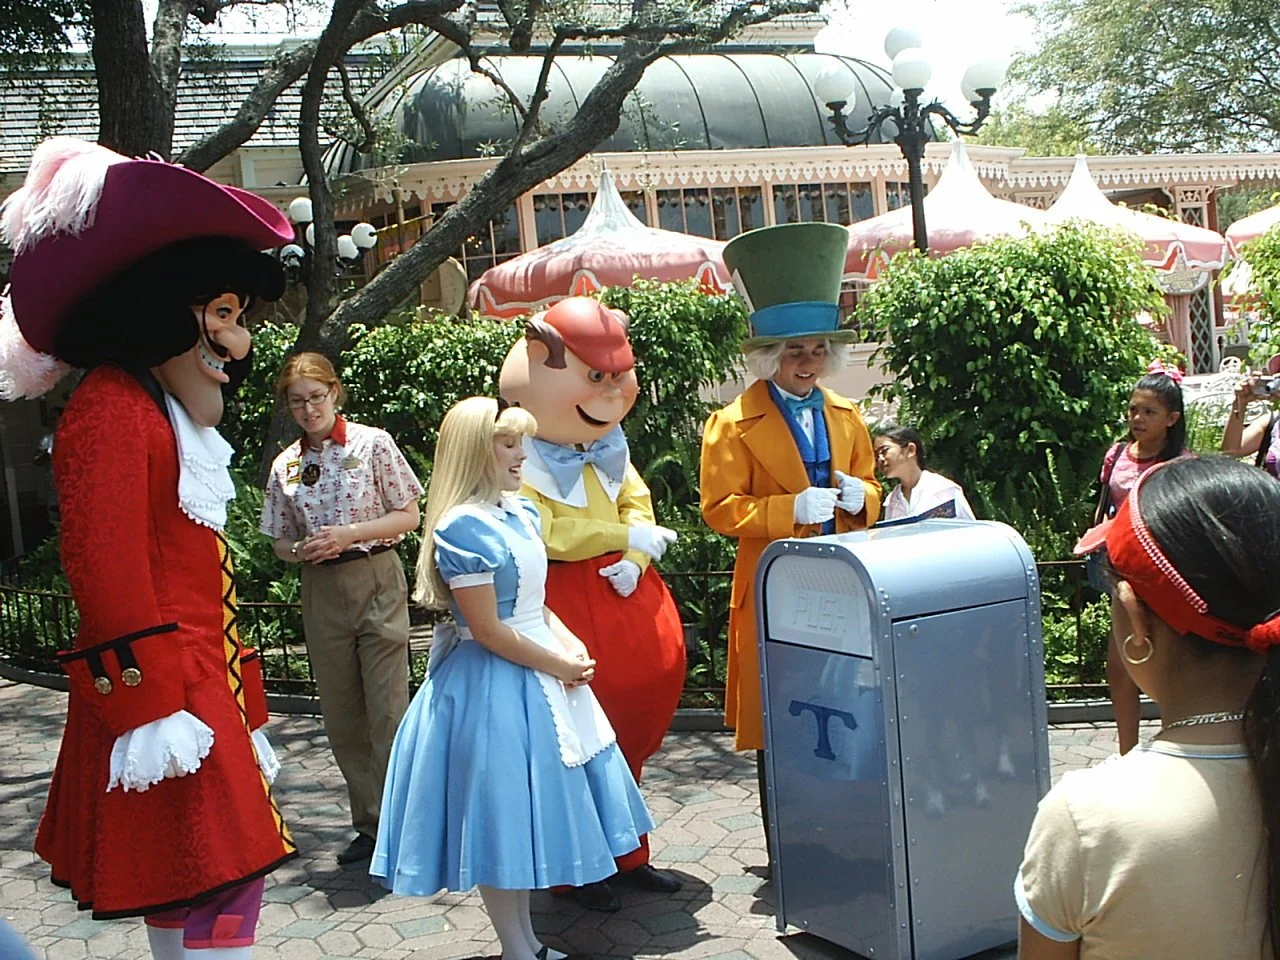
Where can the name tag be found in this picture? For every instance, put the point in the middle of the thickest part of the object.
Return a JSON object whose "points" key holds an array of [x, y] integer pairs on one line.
{"points": [[293, 471], [351, 463]]}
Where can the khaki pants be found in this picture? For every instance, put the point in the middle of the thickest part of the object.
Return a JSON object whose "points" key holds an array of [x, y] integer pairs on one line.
{"points": [[356, 620]]}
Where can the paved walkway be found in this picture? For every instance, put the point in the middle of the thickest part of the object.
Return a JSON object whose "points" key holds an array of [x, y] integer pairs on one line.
{"points": [[702, 793]]}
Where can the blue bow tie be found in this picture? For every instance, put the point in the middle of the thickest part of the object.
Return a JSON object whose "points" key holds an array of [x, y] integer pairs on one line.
{"points": [[812, 402], [565, 464]]}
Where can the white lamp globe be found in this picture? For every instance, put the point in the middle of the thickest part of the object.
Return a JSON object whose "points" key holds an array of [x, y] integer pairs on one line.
{"points": [[291, 254], [983, 75], [899, 39], [300, 210], [888, 129], [310, 235], [912, 69], [970, 95], [365, 235], [347, 248], [834, 85]]}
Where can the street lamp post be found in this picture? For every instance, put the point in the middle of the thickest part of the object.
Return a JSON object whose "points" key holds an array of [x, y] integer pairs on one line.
{"points": [[363, 236], [905, 120]]}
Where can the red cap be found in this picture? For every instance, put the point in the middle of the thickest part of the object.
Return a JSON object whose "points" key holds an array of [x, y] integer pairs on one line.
{"points": [[593, 333]]}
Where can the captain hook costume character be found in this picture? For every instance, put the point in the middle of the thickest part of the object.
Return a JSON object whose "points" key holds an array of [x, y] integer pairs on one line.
{"points": [[575, 372], [140, 271]]}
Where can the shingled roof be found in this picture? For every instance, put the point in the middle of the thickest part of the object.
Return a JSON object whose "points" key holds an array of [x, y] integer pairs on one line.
{"points": [[46, 103]]}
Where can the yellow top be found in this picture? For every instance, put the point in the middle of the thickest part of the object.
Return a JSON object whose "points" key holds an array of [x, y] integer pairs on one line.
{"points": [[580, 533]]}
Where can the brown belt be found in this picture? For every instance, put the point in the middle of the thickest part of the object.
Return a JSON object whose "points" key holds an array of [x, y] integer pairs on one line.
{"points": [[350, 555]]}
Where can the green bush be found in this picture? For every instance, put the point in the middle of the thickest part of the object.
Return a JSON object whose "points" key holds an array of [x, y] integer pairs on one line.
{"points": [[1016, 360], [1263, 257]]}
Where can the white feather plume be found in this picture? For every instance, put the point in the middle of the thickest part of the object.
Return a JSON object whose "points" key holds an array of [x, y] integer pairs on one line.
{"points": [[60, 193], [24, 371]]}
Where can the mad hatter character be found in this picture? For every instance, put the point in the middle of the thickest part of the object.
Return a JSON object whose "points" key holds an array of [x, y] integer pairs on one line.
{"points": [[787, 458], [140, 271], [574, 371]]}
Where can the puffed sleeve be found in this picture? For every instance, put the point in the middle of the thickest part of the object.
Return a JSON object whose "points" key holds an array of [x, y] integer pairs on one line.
{"points": [[469, 551], [1049, 889], [531, 509]]}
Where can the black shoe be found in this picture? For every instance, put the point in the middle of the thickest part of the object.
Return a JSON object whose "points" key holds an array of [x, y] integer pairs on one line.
{"points": [[361, 848], [594, 896], [646, 877]]}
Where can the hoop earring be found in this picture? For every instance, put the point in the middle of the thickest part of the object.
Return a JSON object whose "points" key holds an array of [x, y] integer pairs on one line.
{"points": [[1124, 651]]}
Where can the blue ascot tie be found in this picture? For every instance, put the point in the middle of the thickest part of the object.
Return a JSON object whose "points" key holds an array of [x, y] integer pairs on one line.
{"points": [[794, 405], [565, 463]]}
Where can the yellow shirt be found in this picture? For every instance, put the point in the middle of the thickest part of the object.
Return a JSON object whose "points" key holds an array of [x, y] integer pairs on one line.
{"points": [[580, 533]]}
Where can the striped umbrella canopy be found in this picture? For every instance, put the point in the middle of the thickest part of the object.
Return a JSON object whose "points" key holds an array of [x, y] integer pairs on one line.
{"points": [[1251, 228], [611, 249], [958, 212]]}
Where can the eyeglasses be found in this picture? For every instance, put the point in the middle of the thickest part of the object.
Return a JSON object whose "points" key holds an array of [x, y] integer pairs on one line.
{"points": [[312, 400]]}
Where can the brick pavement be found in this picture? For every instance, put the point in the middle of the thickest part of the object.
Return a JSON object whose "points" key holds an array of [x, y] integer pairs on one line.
{"points": [[700, 791]]}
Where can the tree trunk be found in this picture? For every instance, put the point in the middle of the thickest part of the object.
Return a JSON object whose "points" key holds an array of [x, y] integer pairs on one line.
{"points": [[129, 102]]}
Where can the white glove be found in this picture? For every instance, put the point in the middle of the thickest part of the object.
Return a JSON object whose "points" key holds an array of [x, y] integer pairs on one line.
{"points": [[815, 505], [623, 576], [652, 540], [853, 494], [268, 762], [173, 746]]}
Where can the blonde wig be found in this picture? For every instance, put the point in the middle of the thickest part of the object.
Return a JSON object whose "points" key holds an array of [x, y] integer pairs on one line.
{"points": [[764, 362], [465, 471]]}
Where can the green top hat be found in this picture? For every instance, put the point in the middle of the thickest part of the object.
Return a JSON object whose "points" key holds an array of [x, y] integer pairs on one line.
{"points": [[789, 276]]}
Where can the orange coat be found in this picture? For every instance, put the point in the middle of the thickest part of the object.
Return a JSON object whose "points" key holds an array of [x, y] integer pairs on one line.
{"points": [[751, 473]]}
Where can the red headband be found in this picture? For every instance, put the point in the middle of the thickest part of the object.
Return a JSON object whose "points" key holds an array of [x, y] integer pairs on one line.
{"points": [[1138, 559]]}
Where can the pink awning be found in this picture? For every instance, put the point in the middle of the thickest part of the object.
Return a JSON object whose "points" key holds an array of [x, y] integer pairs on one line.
{"points": [[611, 249], [1251, 228], [1170, 244], [958, 212]]}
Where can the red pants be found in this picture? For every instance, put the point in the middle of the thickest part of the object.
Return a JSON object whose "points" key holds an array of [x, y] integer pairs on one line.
{"points": [[638, 645]]}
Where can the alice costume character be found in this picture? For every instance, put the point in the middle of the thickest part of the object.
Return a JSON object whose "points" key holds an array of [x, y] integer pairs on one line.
{"points": [[499, 775], [575, 372], [160, 804]]}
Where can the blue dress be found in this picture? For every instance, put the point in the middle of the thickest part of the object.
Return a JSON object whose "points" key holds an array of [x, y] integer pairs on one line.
{"points": [[498, 776]]}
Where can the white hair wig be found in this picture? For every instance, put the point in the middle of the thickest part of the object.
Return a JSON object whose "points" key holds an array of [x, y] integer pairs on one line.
{"points": [[763, 362]]}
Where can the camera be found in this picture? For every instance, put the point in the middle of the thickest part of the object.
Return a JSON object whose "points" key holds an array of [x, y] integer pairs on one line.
{"points": [[1267, 388]]}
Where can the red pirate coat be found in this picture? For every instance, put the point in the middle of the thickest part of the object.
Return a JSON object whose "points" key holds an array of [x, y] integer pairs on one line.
{"points": [[157, 635]]}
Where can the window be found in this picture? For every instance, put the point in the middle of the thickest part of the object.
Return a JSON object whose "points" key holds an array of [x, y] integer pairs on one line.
{"points": [[736, 210], [557, 215], [495, 242], [842, 203]]}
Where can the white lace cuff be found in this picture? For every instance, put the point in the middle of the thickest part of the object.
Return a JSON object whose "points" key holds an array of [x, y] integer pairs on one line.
{"points": [[173, 746], [268, 762]]}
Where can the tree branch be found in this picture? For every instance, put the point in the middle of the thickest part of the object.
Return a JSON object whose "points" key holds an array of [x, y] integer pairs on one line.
{"points": [[357, 110], [460, 37]]}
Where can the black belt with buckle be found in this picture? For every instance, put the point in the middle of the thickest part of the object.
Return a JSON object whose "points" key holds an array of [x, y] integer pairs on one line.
{"points": [[350, 555]]}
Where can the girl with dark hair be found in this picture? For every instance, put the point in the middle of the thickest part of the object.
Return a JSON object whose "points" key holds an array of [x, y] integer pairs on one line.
{"points": [[1157, 433], [900, 456], [1173, 851]]}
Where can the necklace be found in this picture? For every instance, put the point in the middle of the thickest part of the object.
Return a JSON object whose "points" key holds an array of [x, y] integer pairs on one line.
{"points": [[1200, 719]]}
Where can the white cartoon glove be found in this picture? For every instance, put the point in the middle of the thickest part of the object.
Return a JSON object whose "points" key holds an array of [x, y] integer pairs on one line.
{"points": [[623, 576], [853, 493], [268, 762], [652, 540], [815, 505]]}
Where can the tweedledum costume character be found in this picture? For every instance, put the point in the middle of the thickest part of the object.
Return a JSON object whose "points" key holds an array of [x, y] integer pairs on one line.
{"points": [[140, 271], [575, 372]]}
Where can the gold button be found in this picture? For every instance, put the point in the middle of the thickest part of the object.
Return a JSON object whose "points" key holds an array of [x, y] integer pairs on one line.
{"points": [[102, 685], [131, 676]]}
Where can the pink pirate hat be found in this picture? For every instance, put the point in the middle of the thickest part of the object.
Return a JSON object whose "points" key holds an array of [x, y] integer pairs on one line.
{"points": [[85, 214]]}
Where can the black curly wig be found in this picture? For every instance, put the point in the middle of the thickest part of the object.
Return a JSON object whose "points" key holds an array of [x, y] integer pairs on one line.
{"points": [[142, 317]]}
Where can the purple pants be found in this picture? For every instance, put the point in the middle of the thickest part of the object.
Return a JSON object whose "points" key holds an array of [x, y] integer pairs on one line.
{"points": [[226, 920]]}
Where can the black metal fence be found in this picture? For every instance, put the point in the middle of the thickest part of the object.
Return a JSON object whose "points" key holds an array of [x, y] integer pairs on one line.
{"points": [[36, 624]]}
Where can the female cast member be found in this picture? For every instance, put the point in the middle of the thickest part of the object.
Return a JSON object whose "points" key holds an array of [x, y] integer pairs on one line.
{"points": [[337, 501], [1173, 850], [1259, 439], [900, 456], [505, 772]]}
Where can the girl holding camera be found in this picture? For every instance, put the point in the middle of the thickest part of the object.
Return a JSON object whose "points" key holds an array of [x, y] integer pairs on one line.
{"points": [[1261, 438]]}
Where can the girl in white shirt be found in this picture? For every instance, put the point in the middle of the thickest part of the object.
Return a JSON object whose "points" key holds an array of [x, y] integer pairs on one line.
{"points": [[900, 456]]}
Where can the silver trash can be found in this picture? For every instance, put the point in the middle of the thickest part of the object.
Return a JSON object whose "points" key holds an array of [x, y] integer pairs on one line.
{"points": [[905, 731]]}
